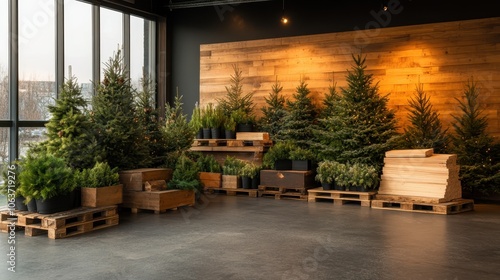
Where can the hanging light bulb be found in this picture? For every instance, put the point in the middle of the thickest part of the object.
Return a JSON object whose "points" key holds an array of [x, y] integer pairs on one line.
{"points": [[284, 19]]}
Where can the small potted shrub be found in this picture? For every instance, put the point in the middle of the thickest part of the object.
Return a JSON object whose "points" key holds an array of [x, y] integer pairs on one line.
{"points": [[278, 156], [231, 170], [195, 122], [49, 181], [329, 174], [100, 185], [362, 177], [216, 122], [249, 175], [209, 171], [230, 128], [244, 121], [207, 115], [302, 159], [10, 187], [185, 176]]}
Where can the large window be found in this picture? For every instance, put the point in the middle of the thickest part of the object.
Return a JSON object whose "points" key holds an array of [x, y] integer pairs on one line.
{"points": [[78, 44], [111, 34], [142, 34], [36, 59], [4, 62]]}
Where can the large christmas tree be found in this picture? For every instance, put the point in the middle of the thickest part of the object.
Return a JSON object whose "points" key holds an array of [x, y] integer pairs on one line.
{"points": [[118, 131], [300, 119], [69, 130], [361, 127], [425, 130], [274, 112], [149, 119], [478, 154]]}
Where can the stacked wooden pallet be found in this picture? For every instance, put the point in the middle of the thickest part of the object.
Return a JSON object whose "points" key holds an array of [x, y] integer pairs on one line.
{"points": [[63, 224], [419, 176], [232, 191]]}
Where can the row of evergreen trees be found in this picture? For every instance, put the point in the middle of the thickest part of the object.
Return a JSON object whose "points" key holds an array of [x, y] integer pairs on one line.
{"points": [[356, 125], [120, 126]]}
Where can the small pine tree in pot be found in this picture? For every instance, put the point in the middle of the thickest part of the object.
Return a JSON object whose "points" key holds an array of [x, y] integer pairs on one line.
{"points": [[100, 185]]}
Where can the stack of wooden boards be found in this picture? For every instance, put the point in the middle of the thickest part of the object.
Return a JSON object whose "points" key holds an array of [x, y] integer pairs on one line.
{"points": [[242, 139], [419, 180], [146, 189]]}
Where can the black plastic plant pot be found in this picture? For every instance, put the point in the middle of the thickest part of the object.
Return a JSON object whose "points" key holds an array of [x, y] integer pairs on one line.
{"points": [[207, 133], [246, 182], [20, 204], [338, 188], [245, 127], [326, 186], [199, 134], [31, 206], [301, 165], [283, 164], [215, 133], [55, 204], [230, 134], [255, 182]]}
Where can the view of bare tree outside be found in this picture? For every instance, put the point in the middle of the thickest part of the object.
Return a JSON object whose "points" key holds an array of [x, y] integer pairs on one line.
{"points": [[78, 44], [111, 34], [36, 59], [142, 46]]}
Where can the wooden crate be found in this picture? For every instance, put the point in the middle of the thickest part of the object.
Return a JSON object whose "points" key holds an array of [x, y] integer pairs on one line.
{"points": [[341, 197], [105, 196], [134, 179], [446, 208], [210, 179], [231, 182], [288, 179], [159, 201]]}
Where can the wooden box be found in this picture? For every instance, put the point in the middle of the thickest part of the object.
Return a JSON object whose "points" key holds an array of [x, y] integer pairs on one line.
{"points": [[210, 179], [231, 182], [158, 201], [252, 136], [134, 179], [104, 196], [287, 179]]}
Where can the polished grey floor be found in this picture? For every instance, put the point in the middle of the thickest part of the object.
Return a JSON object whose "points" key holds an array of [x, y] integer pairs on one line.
{"points": [[261, 238]]}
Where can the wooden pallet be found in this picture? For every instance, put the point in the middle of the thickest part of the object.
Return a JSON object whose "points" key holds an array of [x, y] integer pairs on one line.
{"points": [[445, 208], [341, 197], [243, 143], [6, 219], [68, 223], [209, 142], [282, 192], [233, 192]]}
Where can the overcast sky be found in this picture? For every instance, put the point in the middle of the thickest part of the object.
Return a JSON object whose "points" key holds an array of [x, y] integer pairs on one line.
{"points": [[37, 43]]}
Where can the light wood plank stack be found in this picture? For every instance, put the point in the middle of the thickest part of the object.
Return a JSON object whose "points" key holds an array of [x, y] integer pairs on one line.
{"points": [[419, 175]]}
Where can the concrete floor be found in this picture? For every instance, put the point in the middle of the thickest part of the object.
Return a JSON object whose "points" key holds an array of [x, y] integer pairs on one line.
{"points": [[262, 238]]}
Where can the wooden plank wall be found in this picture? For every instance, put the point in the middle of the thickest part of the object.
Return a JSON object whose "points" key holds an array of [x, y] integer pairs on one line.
{"points": [[442, 56]]}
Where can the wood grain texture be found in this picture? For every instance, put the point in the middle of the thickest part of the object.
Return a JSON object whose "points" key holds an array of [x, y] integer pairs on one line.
{"points": [[442, 56]]}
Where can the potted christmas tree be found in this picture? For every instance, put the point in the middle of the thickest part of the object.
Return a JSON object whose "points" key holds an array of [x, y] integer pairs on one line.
{"points": [[274, 112], [231, 170], [210, 171], [100, 186]]}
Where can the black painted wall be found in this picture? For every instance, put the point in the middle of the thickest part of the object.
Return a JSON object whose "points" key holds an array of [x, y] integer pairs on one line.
{"points": [[188, 28]]}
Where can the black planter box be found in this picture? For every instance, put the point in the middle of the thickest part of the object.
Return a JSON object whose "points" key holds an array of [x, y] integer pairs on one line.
{"points": [[303, 165], [283, 164]]}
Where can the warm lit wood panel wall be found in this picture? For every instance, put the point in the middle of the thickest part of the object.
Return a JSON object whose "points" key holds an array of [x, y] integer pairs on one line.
{"points": [[442, 56]]}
